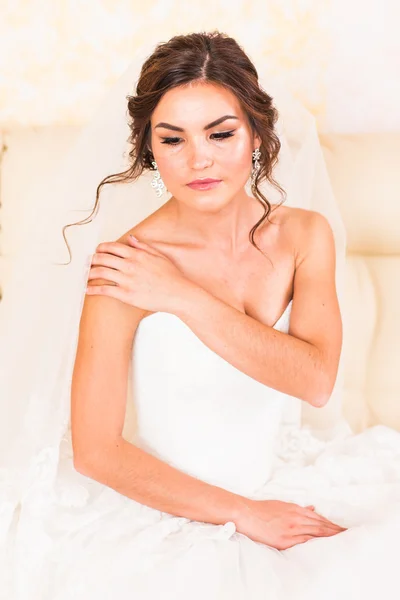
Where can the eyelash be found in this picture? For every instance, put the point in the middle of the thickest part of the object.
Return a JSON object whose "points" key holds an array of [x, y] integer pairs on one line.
{"points": [[222, 135]]}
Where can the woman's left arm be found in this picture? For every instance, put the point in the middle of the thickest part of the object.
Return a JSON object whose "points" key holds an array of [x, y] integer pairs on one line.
{"points": [[302, 363]]}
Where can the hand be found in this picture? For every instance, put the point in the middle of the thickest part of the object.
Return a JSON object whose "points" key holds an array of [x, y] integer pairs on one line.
{"points": [[282, 524], [139, 275]]}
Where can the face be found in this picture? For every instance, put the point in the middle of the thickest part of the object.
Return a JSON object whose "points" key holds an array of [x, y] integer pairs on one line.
{"points": [[192, 138]]}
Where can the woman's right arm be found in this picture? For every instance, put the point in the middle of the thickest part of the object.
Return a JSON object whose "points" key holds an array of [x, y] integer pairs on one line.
{"points": [[98, 404]]}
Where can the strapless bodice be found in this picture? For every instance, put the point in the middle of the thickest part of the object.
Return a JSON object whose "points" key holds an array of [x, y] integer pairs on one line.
{"points": [[199, 413]]}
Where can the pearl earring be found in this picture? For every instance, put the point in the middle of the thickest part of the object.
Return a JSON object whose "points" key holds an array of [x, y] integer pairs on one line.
{"points": [[157, 183], [256, 167]]}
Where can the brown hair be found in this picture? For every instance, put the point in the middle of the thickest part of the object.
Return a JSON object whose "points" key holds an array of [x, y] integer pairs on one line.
{"points": [[212, 57]]}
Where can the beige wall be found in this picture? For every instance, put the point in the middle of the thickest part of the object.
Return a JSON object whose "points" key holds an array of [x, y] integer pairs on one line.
{"points": [[57, 57]]}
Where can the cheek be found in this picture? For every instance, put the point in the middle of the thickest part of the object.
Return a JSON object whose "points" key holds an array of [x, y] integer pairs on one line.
{"points": [[235, 163], [171, 162], [237, 155], [172, 168]]}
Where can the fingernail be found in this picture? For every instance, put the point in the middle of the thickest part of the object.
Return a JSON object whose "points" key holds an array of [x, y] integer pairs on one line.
{"points": [[133, 237]]}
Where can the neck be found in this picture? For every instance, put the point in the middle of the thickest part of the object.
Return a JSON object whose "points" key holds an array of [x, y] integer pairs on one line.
{"points": [[220, 226]]}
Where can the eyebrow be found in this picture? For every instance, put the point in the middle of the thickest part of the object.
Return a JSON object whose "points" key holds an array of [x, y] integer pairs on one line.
{"points": [[213, 124]]}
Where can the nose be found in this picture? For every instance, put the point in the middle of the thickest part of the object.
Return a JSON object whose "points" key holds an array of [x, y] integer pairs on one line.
{"points": [[200, 155]]}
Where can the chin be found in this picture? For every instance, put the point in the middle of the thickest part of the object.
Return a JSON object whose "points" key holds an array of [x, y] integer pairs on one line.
{"points": [[211, 204]]}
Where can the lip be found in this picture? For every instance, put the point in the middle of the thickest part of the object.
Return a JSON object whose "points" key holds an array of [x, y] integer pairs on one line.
{"points": [[204, 184]]}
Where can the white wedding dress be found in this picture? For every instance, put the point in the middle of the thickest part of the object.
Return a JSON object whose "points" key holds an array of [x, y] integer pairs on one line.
{"points": [[201, 415]]}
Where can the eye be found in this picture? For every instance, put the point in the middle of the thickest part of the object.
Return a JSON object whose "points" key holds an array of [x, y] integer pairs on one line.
{"points": [[223, 134], [174, 141]]}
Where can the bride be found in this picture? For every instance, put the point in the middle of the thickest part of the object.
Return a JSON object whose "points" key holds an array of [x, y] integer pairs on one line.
{"points": [[212, 319]]}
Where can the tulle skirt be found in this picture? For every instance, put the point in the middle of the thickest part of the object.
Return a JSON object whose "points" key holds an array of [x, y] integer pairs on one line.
{"points": [[77, 539]]}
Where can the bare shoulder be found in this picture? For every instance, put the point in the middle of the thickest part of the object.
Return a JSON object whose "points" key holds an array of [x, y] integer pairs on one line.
{"points": [[314, 233], [151, 229], [297, 218], [305, 228], [120, 316]]}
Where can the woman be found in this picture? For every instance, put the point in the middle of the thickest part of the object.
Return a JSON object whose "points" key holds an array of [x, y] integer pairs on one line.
{"points": [[194, 260], [220, 328]]}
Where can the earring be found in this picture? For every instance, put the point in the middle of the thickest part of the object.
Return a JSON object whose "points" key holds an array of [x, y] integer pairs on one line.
{"points": [[256, 167], [157, 183]]}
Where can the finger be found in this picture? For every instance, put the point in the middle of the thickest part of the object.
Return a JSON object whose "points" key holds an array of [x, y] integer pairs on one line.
{"points": [[317, 521], [115, 248], [331, 522], [113, 291], [323, 526], [143, 246], [313, 515], [320, 519], [109, 260], [106, 273], [317, 533]]}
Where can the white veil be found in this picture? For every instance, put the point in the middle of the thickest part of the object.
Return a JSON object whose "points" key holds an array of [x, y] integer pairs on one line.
{"points": [[41, 307]]}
